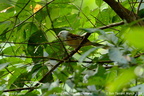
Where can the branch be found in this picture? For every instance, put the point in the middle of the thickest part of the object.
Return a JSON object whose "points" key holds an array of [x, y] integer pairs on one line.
{"points": [[31, 43], [19, 89], [65, 59], [111, 25], [27, 18], [60, 62], [124, 13], [138, 55]]}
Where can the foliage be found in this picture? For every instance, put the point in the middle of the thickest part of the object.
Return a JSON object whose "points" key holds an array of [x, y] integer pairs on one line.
{"points": [[34, 61]]}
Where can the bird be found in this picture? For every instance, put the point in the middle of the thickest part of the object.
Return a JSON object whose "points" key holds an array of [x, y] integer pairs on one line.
{"points": [[74, 40]]}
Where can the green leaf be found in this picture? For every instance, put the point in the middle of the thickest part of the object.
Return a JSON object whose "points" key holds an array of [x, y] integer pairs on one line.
{"points": [[54, 13], [25, 30], [36, 68], [21, 4], [17, 72], [4, 25], [41, 15], [61, 75], [141, 13], [110, 37], [134, 36], [111, 75], [56, 46], [89, 4], [91, 30], [6, 1], [51, 36], [31, 94], [30, 48], [99, 2], [138, 88], [116, 55], [99, 76], [4, 6], [74, 21], [87, 53], [21, 79], [38, 35], [35, 48], [5, 17], [65, 11], [3, 65], [95, 81], [9, 50], [48, 79], [52, 91], [37, 0], [105, 16], [3, 35], [121, 80]]}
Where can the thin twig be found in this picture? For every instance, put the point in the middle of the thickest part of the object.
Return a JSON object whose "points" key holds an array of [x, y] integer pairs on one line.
{"points": [[140, 3], [27, 18], [31, 43], [67, 57], [51, 58], [138, 55], [64, 59], [124, 13], [112, 25], [19, 89], [85, 15]]}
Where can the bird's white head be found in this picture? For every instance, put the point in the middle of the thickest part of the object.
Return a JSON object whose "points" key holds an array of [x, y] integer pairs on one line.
{"points": [[63, 34]]}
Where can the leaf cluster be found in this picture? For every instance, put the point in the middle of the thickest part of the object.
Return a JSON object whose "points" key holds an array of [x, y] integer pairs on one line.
{"points": [[34, 61]]}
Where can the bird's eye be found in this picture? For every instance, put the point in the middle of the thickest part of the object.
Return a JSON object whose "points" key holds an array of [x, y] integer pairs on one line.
{"points": [[61, 33]]}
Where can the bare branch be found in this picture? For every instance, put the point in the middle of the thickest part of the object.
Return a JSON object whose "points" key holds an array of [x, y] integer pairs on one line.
{"points": [[124, 13], [112, 25], [19, 89]]}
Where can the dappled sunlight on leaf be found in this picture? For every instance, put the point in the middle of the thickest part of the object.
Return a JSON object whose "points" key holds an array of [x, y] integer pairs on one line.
{"points": [[37, 7]]}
